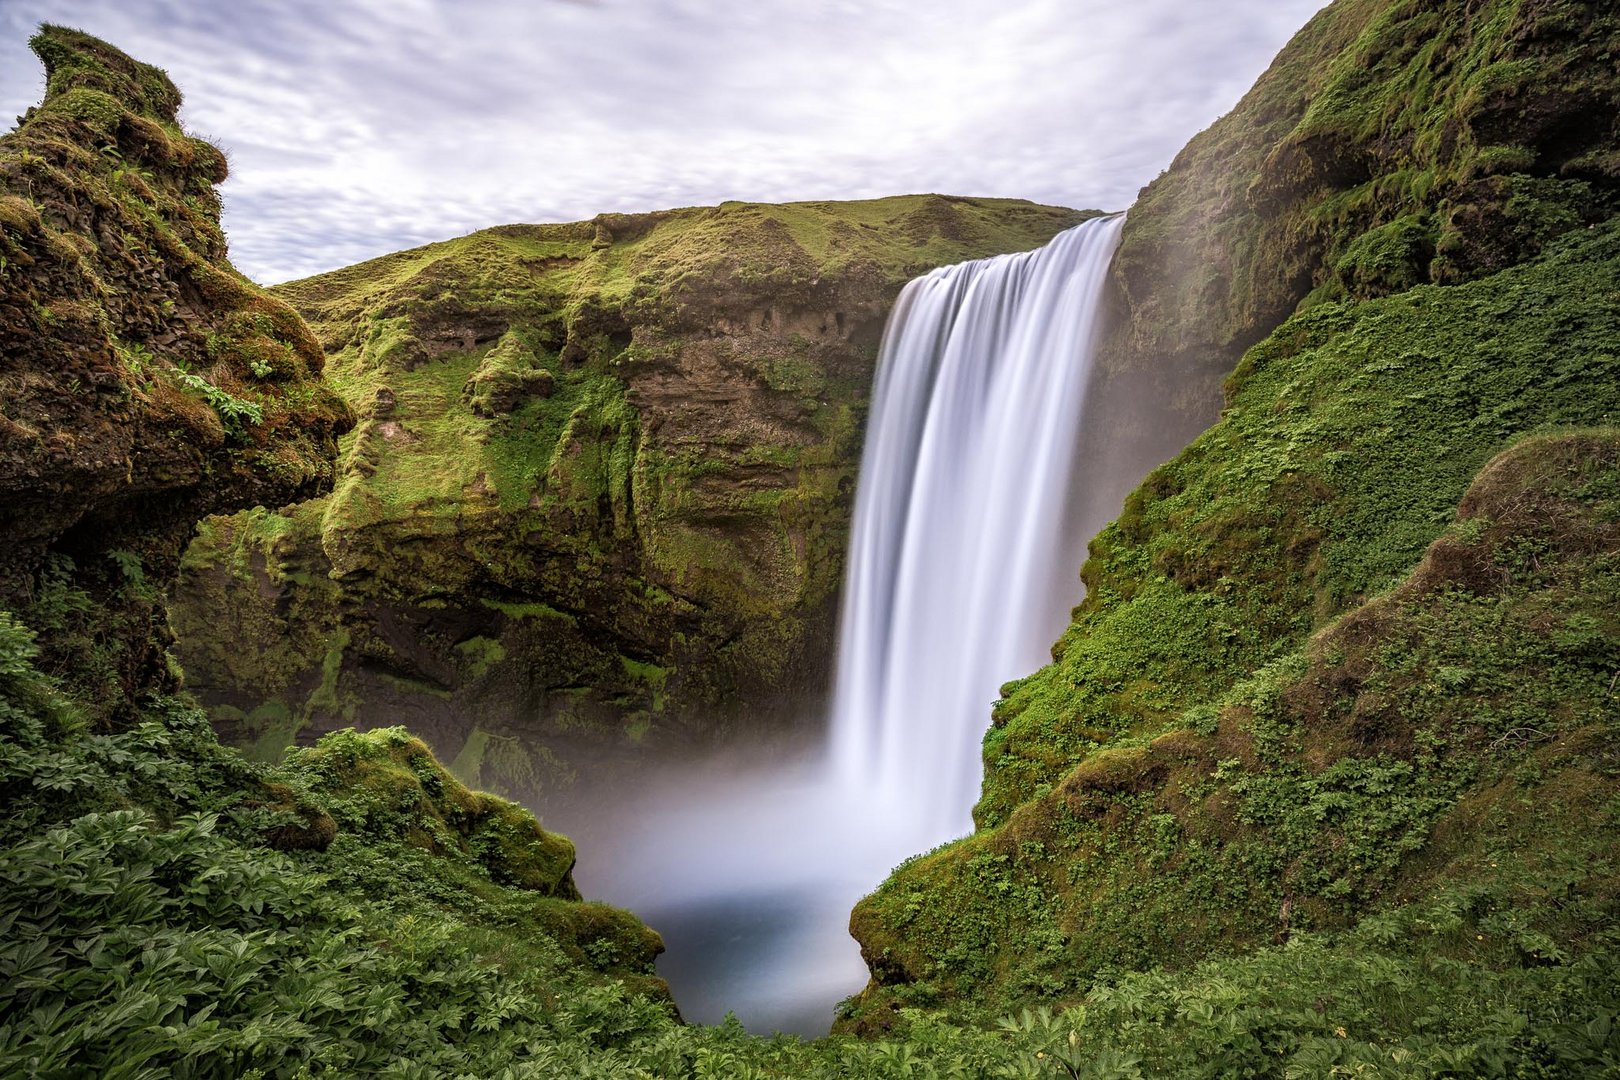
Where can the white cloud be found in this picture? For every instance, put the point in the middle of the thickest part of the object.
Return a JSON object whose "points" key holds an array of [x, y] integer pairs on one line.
{"points": [[357, 128]]}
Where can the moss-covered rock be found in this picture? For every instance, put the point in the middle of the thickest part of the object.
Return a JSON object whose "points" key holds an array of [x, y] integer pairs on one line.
{"points": [[384, 791], [599, 490], [143, 382], [387, 782]]}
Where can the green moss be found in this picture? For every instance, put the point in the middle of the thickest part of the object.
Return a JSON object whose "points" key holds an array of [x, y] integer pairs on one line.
{"points": [[527, 611], [94, 107], [387, 783], [325, 697], [1384, 132], [1388, 259], [482, 654], [76, 62], [653, 676]]}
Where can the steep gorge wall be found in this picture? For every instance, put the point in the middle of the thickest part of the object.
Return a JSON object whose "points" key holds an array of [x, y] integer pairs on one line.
{"points": [[1406, 231], [599, 490], [1388, 145]]}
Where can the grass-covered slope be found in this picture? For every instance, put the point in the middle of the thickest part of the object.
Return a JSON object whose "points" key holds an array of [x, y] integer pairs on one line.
{"points": [[1391, 144], [1451, 738], [599, 489], [1169, 789]]}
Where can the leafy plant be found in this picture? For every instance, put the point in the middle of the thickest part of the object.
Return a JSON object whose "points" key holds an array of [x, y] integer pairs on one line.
{"points": [[237, 413]]}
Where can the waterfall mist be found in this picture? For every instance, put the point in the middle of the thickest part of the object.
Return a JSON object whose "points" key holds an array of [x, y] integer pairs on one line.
{"points": [[962, 571]]}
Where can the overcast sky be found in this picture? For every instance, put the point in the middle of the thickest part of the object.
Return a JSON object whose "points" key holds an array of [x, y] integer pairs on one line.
{"points": [[359, 127]]}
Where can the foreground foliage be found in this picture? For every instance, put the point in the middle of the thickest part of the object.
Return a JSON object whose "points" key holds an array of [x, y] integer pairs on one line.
{"points": [[412, 928]]}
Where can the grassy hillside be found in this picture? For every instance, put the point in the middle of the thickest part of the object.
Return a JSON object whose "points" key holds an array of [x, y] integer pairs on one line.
{"points": [[1391, 144], [1243, 734]]}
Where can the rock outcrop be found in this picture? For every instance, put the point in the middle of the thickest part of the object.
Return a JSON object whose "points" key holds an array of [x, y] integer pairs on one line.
{"points": [[143, 382], [600, 488]]}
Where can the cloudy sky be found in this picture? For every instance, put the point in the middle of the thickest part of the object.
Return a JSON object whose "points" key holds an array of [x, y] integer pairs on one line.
{"points": [[359, 127]]}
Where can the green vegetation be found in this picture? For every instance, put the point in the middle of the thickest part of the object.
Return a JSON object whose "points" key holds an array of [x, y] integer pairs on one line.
{"points": [[1349, 436], [176, 911], [406, 926], [1321, 782], [1391, 143], [1442, 739]]}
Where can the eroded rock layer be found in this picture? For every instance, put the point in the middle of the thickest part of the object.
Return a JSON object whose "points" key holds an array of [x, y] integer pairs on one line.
{"points": [[143, 382]]}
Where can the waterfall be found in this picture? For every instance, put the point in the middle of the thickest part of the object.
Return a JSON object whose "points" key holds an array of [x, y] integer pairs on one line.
{"points": [[961, 568], [961, 573]]}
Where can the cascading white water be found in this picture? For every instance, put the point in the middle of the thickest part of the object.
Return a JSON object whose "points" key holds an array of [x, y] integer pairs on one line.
{"points": [[961, 571]]}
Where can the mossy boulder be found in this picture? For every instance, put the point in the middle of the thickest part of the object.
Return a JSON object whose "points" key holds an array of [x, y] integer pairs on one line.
{"points": [[599, 493], [508, 377], [143, 382], [387, 782], [382, 792]]}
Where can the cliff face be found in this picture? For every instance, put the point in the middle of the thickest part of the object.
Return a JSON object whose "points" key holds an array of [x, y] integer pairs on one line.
{"points": [[143, 383], [1389, 145], [600, 487], [1213, 762]]}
